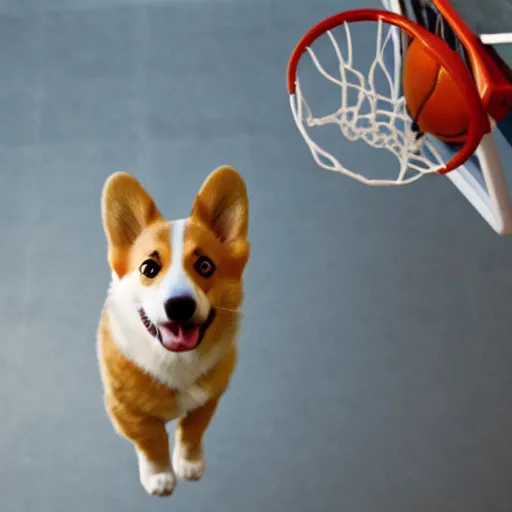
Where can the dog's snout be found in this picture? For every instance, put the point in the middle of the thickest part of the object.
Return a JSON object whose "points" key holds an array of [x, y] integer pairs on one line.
{"points": [[180, 309]]}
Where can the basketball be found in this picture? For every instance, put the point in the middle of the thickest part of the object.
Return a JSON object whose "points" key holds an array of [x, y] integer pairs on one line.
{"points": [[432, 96]]}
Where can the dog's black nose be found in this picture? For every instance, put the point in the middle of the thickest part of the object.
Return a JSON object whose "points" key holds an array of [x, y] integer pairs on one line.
{"points": [[180, 309]]}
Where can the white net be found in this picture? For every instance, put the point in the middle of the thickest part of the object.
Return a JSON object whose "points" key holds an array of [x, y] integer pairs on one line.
{"points": [[370, 107]]}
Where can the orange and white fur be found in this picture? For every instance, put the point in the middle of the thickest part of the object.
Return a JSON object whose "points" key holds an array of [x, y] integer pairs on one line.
{"points": [[168, 331]]}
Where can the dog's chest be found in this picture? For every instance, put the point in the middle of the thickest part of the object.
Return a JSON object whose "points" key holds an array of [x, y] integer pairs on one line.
{"points": [[191, 398], [181, 378]]}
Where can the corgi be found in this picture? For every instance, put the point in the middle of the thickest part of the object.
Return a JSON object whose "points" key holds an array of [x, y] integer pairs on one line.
{"points": [[167, 335]]}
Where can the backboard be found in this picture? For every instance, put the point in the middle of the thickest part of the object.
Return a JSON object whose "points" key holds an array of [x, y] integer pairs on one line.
{"points": [[484, 179]]}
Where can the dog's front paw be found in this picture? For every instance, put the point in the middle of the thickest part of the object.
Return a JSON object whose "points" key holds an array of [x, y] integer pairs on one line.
{"points": [[159, 484], [158, 480], [188, 468]]}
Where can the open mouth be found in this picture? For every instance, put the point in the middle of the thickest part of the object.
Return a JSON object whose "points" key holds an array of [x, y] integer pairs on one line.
{"points": [[177, 337]]}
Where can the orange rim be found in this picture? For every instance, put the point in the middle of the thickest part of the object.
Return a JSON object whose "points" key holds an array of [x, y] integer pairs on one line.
{"points": [[478, 121]]}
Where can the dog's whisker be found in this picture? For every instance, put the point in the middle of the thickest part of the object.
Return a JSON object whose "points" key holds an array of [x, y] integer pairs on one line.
{"points": [[226, 310]]}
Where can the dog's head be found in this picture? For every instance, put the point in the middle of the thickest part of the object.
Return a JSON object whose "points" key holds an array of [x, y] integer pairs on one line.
{"points": [[178, 273]]}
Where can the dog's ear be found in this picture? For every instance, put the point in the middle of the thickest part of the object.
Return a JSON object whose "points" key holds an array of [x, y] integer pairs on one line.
{"points": [[223, 206], [126, 210]]}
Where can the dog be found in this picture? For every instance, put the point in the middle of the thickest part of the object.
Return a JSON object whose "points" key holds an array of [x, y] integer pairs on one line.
{"points": [[167, 335]]}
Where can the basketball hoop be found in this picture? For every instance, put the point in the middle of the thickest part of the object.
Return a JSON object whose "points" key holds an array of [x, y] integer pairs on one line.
{"points": [[379, 116]]}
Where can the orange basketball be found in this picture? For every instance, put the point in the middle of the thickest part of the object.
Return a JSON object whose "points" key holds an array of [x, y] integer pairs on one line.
{"points": [[433, 98]]}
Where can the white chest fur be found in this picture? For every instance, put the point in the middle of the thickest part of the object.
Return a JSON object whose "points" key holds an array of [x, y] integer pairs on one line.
{"points": [[192, 398]]}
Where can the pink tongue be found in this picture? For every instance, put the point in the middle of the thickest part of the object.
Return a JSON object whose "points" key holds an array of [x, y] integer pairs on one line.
{"points": [[178, 339]]}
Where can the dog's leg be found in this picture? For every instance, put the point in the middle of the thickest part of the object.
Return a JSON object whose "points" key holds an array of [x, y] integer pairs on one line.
{"points": [[188, 457], [155, 471], [151, 442]]}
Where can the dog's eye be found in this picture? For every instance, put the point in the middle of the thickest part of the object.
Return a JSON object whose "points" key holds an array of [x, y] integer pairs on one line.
{"points": [[204, 266], [150, 268]]}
